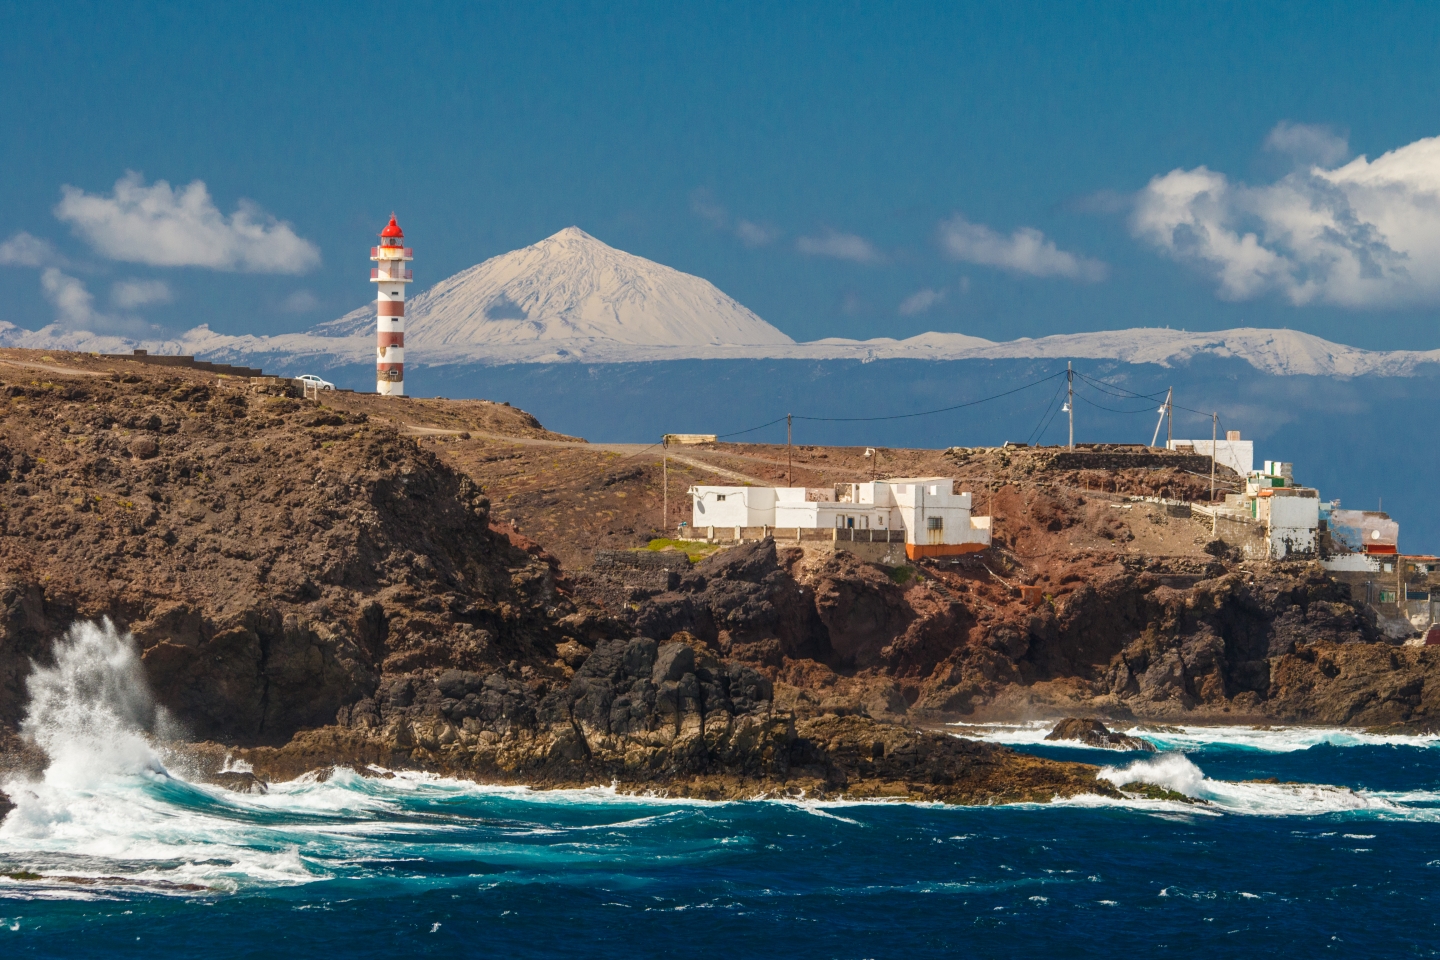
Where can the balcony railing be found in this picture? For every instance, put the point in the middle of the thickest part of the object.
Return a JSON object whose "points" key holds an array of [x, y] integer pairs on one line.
{"points": [[392, 253], [395, 275]]}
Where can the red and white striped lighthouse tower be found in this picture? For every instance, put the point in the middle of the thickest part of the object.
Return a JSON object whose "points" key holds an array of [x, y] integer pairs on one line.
{"points": [[390, 277]]}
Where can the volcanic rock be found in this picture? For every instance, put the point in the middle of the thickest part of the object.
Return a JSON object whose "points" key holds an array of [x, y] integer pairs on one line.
{"points": [[1093, 733]]}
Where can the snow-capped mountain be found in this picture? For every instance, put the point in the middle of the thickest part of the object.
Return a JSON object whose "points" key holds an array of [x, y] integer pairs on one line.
{"points": [[570, 289], [571, 297]]}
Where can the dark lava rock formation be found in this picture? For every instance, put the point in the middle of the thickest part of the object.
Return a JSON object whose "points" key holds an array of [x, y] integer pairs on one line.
{"points": [[1122, 636], [1094, 733]]}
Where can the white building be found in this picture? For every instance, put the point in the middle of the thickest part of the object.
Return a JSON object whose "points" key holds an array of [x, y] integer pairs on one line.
{"points": [[935, 520], [1274, 517], [1232, 452]]}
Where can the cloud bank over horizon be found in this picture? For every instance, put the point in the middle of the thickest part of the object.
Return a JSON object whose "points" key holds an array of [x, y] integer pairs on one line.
{"points": [[1364, 234]]}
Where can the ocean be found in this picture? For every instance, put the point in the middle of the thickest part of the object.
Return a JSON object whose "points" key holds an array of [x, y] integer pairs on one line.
{"points": [[117, 852]]}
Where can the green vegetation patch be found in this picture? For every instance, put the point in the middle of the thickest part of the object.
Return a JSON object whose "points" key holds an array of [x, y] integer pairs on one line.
{"points": [[696, 550], [901, 575]]}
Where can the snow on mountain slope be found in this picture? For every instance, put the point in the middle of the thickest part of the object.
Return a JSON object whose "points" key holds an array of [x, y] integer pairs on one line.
{"points": [[572, 287], [572, 298]]}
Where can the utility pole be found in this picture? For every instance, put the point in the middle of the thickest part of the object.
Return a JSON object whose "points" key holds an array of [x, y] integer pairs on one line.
{"points": [[1070, 398], [1163, 410], [665, 467], [789, 460], [1214, 439]]}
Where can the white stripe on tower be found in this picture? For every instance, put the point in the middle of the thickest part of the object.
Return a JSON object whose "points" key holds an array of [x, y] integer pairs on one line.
{"points": [[390, 276]]}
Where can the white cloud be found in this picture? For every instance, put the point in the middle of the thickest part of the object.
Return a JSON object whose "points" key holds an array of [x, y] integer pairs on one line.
{"points": [[74, 306], [25, 250], [750, 233], [1024, 251], [755, 234], [704, 206], [164, 227], [1308, 143], [301, 301], [841, 246], [1364, 234], [129, 294], [921, 301]]}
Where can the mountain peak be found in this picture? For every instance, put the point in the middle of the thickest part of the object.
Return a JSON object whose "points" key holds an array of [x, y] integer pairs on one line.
{"points": [[571, 233], [571, 288]]}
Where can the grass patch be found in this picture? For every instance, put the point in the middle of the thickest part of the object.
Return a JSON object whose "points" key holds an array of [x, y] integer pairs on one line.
{"points": [[696, 550], [901, 575]]}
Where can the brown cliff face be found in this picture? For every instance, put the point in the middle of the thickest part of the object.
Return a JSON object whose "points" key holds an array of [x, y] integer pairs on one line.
{"points": [[1163, 639], [273, 559], [307, 586]]}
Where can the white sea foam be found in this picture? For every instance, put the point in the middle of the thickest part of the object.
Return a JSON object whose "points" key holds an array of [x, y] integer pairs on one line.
{"points": [[107, 806], [1175, 771], [1286, 739]]}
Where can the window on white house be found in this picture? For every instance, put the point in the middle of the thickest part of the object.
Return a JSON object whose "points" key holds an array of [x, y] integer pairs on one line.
{"points": [[934, 523], [719, 497]]}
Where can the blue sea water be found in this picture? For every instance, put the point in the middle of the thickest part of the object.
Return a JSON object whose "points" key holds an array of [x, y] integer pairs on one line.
{"points": [[1348, 865], [1340, 857]]}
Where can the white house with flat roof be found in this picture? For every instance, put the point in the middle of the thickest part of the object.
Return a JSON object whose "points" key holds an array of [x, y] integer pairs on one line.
{"points": [[1232, 452], [935, 519]]}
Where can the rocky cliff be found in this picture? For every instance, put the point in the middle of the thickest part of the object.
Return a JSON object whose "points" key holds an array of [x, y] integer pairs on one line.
{"points": [[1125, 637], [307, 586]]}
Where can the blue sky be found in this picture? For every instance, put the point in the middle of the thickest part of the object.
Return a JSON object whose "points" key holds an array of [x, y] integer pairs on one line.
{"points": [[843, 170]]}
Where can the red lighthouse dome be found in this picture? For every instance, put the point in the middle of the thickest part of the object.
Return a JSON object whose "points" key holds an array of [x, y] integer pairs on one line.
{"points": [[392, 229]]}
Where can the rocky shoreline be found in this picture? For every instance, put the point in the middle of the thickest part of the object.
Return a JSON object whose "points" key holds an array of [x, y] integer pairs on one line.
{"points": [[309, 587]]}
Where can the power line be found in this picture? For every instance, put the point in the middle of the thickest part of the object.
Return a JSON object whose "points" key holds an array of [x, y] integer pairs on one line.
{"points": [[1124, 394], [1158, 395], [1112, 409], [1041, 434], [1039, 430], [926, 413], [762, 426]]}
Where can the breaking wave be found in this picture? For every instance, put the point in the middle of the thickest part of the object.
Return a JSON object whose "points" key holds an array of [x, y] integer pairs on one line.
{"points": [[115, 815], [1200, 738], [1271, 798]]}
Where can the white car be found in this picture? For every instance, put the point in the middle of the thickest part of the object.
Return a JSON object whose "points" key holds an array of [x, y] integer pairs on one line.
{"points": [[310, 380]]}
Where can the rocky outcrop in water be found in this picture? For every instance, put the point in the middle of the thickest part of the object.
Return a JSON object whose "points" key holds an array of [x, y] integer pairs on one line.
{"points": [[670, 718], [1093, 733]]}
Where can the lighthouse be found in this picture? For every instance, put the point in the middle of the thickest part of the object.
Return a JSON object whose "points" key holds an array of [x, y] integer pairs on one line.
{"points": [[390, 276]]}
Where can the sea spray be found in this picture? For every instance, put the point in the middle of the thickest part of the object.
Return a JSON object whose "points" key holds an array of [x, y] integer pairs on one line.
{"points": [[1270, 798], [1173, 771], [90, 712]]}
